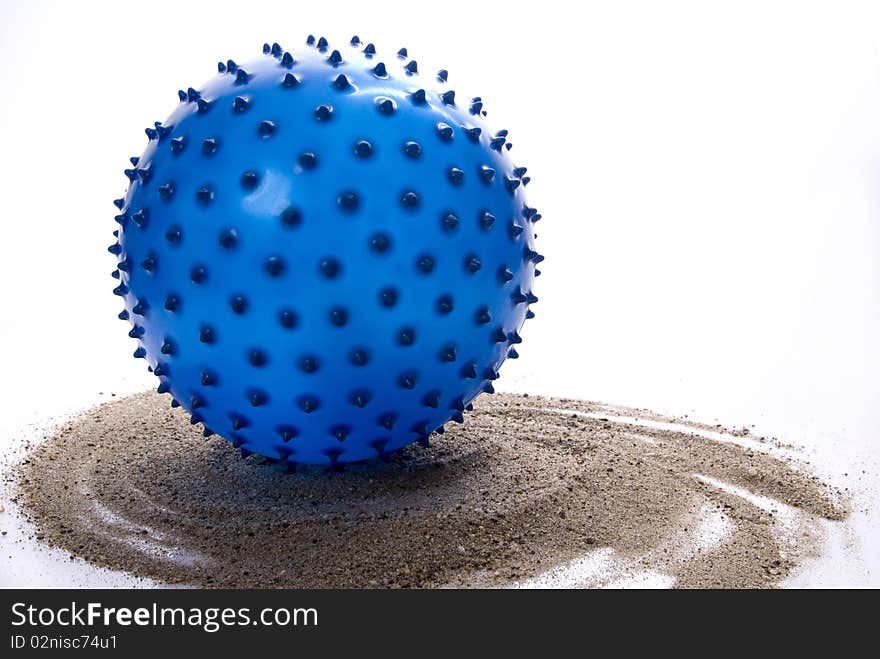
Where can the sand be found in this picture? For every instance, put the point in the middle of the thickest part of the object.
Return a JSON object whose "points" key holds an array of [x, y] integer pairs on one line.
{"points": [[529, 492]]}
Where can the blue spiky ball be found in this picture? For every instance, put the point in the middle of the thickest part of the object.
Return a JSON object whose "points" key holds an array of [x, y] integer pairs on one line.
{"points": [[325, 254]]}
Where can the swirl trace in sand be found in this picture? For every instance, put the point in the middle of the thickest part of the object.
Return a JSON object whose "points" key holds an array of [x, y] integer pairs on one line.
{"points": [[528, 492]]}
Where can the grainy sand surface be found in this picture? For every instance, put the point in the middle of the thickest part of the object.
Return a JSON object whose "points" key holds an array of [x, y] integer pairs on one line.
{"points": [[529, 492]]}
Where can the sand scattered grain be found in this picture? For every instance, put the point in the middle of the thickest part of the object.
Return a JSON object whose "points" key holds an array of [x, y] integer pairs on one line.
{"points": [[528, 492]]}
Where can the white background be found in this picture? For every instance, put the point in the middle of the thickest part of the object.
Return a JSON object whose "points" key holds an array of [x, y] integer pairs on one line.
{"points": [[709, 176]]}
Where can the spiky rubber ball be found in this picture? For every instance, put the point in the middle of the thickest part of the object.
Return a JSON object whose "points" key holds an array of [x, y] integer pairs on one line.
{"points": [[324, 254]]}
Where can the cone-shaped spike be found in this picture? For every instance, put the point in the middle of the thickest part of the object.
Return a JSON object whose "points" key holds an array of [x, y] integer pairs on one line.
{"points": [[418, 97], [448, 354], [473, 133], [445, 132], [455, 176], [287, 432], [266, 128], [207, 334], [407, 380], [387, 421], [166, 191], [483, 317], [379, 446], [145, 174], [360, 398], [257, 397], [385, 105], [172, 302], [178, 144], [333, 455], [518, 297]]}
